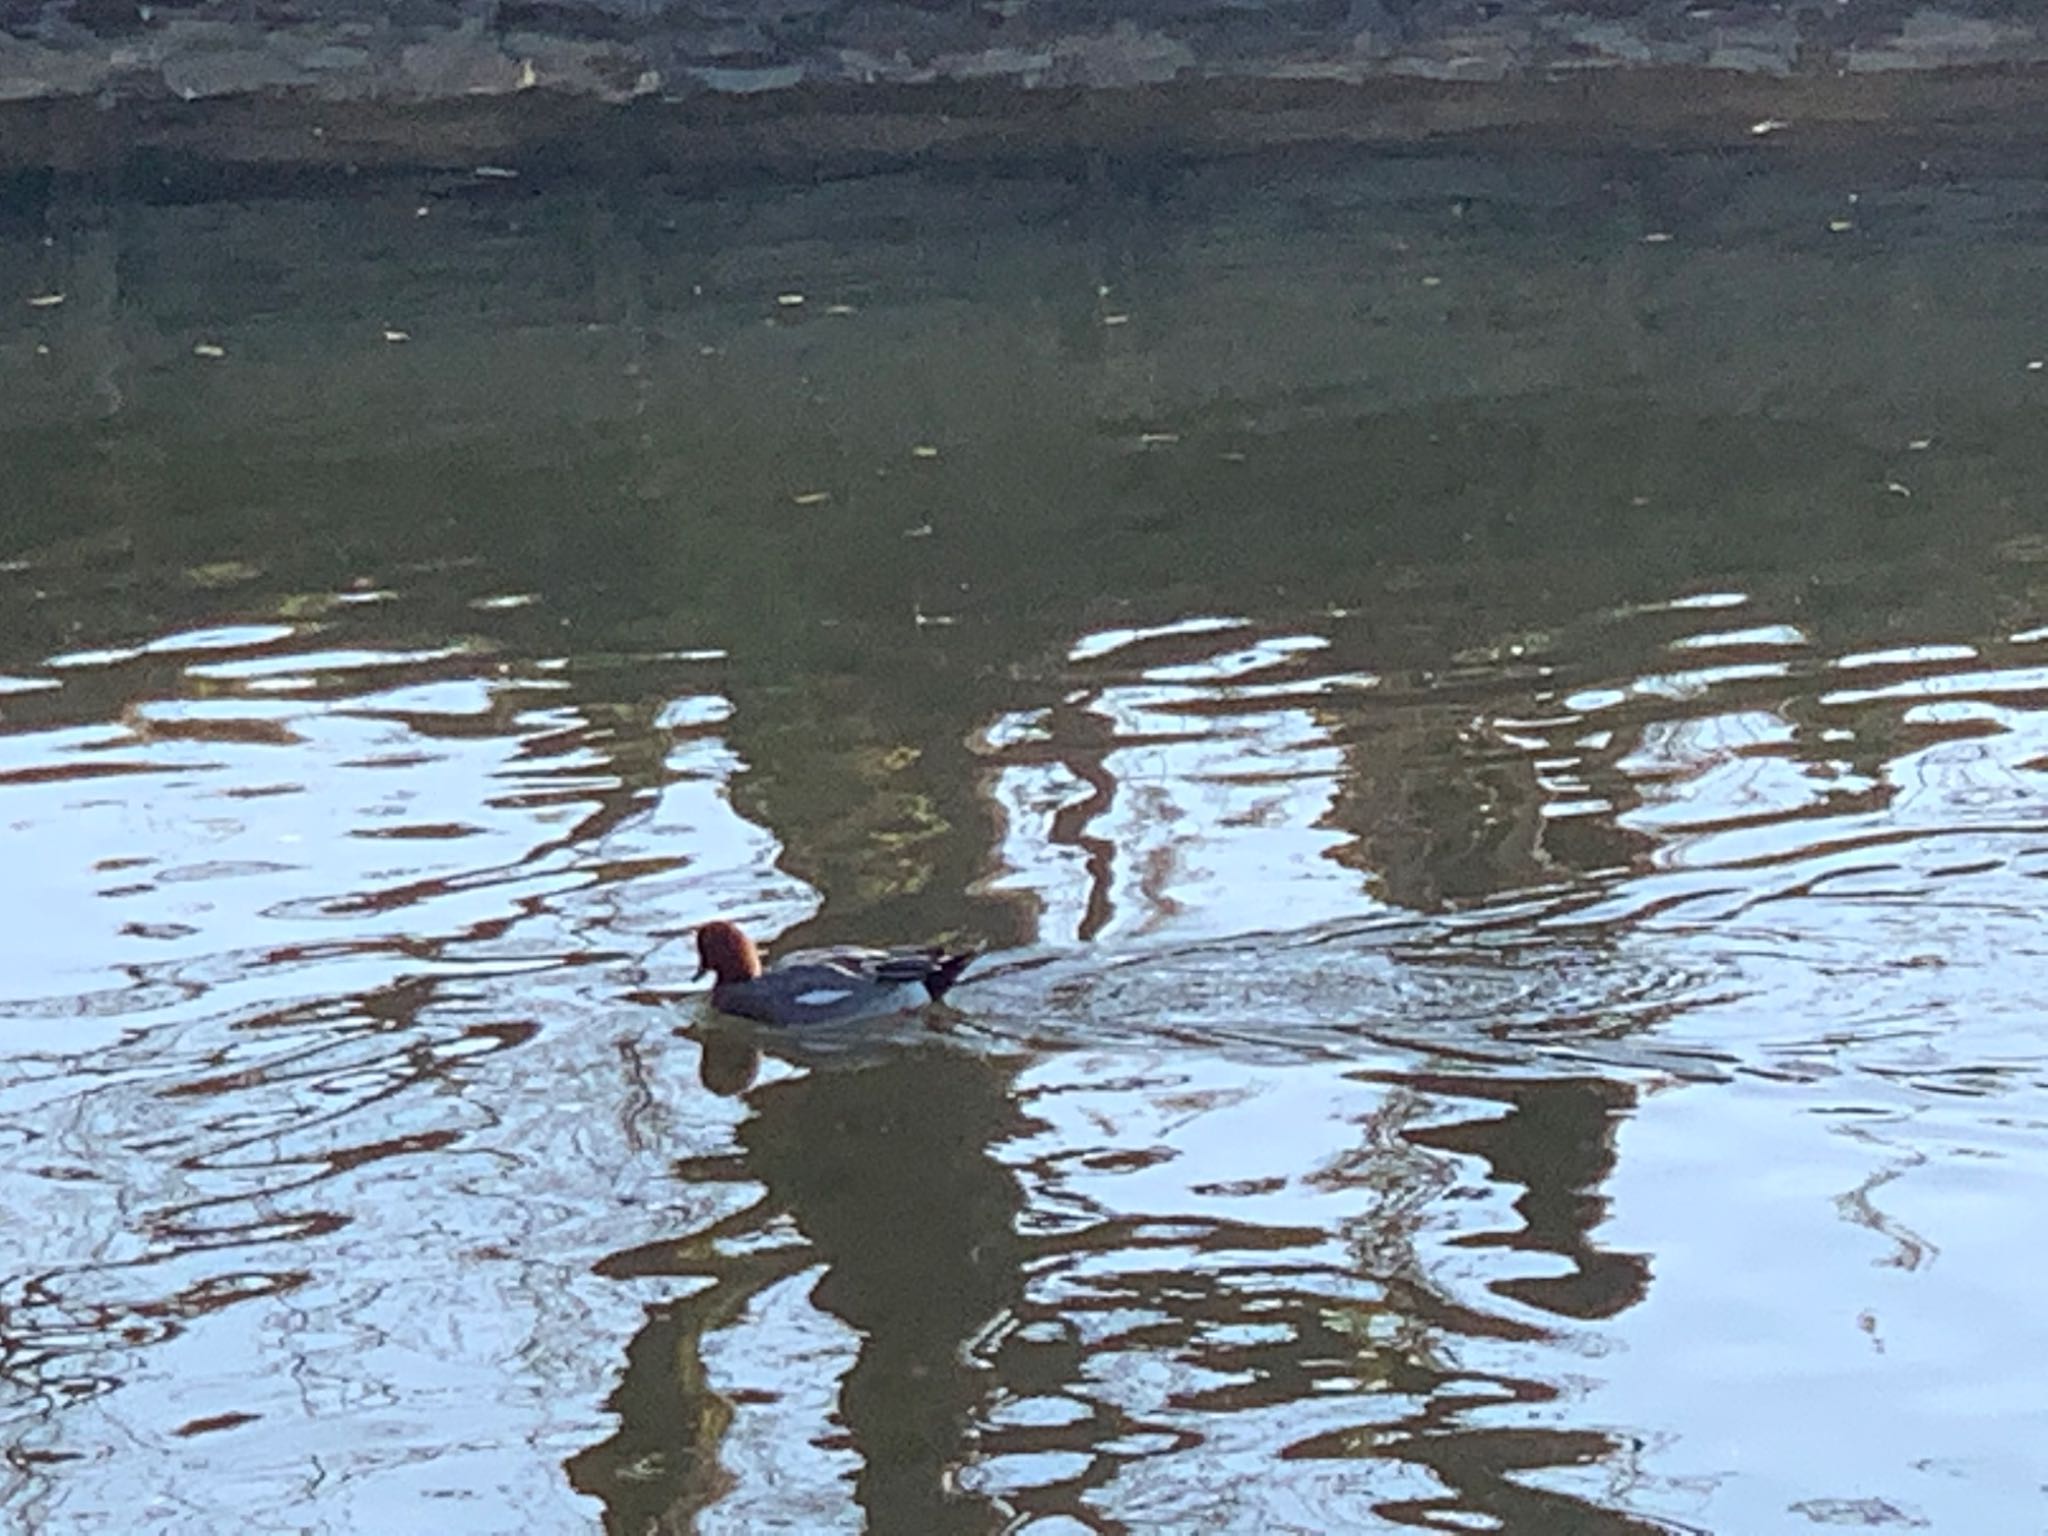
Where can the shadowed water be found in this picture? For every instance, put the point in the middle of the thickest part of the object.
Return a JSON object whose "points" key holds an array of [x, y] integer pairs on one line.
{"points": [[1490, 713]]}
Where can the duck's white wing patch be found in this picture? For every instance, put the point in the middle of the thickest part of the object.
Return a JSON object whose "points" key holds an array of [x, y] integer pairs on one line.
{"points": [[820, 997]]}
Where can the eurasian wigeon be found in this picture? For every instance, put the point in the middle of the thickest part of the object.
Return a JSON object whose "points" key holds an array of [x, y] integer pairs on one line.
{"points": [[821, 986]]}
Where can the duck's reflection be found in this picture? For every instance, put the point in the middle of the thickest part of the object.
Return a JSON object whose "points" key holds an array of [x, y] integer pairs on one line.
{"points": [[885, 1167]]}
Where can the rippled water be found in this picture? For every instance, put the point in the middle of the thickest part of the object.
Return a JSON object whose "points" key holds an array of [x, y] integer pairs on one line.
{"points": [[1491, 714]]}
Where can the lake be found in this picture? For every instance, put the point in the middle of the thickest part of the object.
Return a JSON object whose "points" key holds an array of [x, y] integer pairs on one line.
{"points": [[1489, 709]]}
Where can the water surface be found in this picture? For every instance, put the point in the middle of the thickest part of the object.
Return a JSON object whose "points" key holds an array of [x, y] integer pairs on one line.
{"points": [[1490, 712]]}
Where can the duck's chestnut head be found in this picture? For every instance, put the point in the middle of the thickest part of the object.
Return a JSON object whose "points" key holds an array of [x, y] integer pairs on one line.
{"points": [[727, 953]]}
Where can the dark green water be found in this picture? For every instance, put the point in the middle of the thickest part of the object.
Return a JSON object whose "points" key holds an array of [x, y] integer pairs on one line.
{"points": [[1491, 712]]}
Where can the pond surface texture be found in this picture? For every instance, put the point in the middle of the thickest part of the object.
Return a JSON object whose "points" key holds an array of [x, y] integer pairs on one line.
{"points": [[1491, 714]]}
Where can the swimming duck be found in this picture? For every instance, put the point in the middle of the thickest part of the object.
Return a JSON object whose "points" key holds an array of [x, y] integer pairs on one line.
{"points": [[821, 986]]}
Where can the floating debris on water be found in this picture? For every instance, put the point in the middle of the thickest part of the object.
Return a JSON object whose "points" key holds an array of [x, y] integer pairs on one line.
{"points": [[222, 573]]}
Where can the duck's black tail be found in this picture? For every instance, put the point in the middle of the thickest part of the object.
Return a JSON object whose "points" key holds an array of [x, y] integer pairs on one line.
{"points": [[937, 968], [946, 968]]}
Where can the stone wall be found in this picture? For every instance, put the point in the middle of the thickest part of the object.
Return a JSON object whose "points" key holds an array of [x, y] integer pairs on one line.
{"points": [[1372, 68]]}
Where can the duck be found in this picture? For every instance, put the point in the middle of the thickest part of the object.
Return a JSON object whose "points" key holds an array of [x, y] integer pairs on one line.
{"points": [[822, 986]]}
